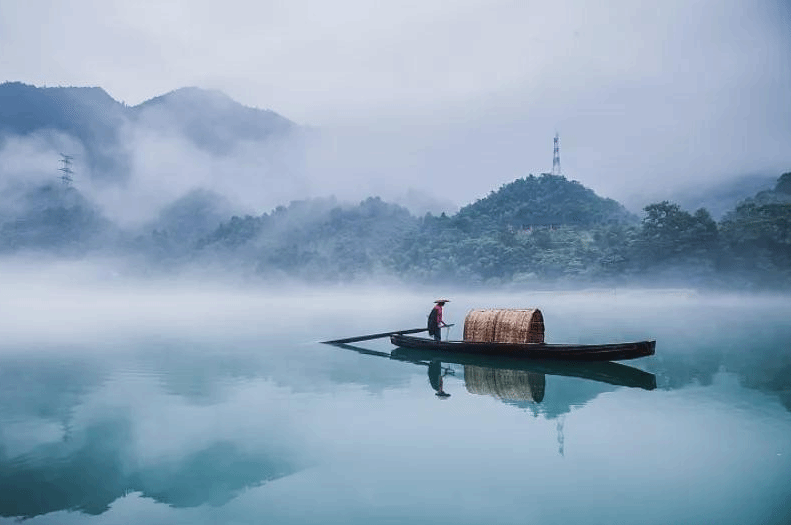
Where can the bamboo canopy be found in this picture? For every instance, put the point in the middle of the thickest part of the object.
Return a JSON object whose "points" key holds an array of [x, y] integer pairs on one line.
{"points": [[505, 384], [504, 326]]}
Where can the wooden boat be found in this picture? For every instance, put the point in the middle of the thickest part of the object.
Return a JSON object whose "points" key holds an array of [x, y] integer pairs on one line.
{"points": [[571, 352], [512, 333], [601, 371]]}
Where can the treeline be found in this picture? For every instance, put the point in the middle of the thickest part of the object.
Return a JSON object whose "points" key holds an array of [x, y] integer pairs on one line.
{"points": [[533, 231]]}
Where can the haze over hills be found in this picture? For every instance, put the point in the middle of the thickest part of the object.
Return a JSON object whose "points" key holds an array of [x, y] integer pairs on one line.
{"points": [[211, 119], [105, 128], [89, 112], [723, 196], [194, 178], [193, 138], [132, 162], [89, 115]]}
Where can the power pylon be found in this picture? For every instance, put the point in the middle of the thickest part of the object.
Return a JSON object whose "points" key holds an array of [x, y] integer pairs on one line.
{"points": [[556, 156], [65, 167]]}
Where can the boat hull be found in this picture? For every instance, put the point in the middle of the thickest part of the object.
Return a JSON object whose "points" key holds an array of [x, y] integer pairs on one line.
{"points": [[617, 374], [602, 352]]}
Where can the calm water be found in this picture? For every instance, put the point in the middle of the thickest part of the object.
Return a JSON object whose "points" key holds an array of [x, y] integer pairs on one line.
{"points": [[130, 405]]}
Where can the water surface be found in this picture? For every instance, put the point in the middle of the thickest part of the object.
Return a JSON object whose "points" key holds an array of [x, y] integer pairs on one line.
{"points": [[215, 405]]}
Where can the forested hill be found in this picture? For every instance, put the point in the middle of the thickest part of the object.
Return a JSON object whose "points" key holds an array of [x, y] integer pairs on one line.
{"points": [[316, 239], [780, 194], [517, 235], [547, 200], [525, 239], [210, 120], [534, 230], [88, 114]]}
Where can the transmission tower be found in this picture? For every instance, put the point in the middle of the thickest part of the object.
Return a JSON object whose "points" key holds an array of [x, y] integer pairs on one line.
{"points": [[65, 161], [556, 156]]}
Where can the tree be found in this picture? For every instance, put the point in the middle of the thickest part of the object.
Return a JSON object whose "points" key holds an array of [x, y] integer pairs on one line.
{"points": [[672, 235], [784, 183], [758, 238]]}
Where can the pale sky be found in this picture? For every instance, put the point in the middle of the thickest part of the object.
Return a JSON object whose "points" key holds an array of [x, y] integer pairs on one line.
{"points": [[459, 96]]}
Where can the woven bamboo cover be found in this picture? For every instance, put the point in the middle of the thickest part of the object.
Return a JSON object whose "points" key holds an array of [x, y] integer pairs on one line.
{"points": [[504, 326]]}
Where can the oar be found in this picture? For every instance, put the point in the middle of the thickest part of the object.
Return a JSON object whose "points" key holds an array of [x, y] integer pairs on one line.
{"points": [[359, 350], [375, 336], [389, 355]]}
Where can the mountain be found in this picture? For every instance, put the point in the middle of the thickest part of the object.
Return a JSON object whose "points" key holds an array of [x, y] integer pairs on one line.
{"points": [[316, 238], [193, 215], [186, 151], [780, 194], [721, 197], [179, 225], [757, 234], [547, 200], [54, 218], [88, 114], [210, 120]]}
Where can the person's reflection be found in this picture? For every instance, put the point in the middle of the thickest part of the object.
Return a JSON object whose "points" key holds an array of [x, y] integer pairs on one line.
{"points": [[435, 375]]}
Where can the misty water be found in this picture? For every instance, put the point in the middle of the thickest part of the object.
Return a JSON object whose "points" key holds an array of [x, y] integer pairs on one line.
{"points": [[185, 402]]}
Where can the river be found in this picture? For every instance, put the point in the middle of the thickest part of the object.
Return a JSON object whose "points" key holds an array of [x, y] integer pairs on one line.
{"points": [[194, 404]]}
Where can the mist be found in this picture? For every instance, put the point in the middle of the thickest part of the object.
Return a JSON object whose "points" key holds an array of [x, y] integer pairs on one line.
{"points": [[448, 101], [318, 141], [60, 303], [249, 179]]}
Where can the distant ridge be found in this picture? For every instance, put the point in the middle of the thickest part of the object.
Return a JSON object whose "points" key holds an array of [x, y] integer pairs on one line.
{"points": [[88, 114], [208, 118], [722, 196]]}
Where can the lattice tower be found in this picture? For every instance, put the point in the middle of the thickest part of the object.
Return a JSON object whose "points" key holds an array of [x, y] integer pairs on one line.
{"points": [[556, 156], [66, 169]]}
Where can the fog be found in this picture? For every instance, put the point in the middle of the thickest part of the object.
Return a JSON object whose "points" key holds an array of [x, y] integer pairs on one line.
{"points": [[157, 166], [161, 360], [165, 167], [195, 399], [450, 101], [425, 105], [61, 304]]}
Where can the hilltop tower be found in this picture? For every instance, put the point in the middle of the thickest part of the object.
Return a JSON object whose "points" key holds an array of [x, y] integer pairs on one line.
{"points": [[65, 167], [556, 156]]}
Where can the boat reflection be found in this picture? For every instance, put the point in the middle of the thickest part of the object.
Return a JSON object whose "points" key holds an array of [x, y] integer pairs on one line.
{"points": [[510, 379], [505, 384]]}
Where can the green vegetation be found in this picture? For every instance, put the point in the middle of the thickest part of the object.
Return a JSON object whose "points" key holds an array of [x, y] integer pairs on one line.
{"points": [[535, 230], [53, 218]]}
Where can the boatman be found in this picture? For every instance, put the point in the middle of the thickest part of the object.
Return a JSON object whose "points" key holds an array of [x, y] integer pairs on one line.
{"points": [[435, 322]]}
